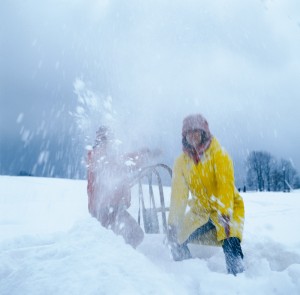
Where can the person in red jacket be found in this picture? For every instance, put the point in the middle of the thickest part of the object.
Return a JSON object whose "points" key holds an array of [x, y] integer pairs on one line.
{"points": [[109, 175]]}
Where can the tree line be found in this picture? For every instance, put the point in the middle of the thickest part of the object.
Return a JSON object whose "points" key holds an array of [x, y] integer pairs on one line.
{"points": [[266, 173]]}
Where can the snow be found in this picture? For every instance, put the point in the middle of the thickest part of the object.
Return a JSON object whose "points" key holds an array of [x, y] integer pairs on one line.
{"points": [[49, 244]]}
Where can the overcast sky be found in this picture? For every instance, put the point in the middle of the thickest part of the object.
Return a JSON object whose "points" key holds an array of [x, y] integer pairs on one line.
{"points": [[236, 62]]}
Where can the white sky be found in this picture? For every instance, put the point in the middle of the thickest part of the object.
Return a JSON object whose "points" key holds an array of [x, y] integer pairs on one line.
{"points": [[236, 62]]}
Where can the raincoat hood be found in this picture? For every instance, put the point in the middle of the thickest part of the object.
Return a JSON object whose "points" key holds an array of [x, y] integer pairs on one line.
{"points": [[196, 121], [193, 122]]}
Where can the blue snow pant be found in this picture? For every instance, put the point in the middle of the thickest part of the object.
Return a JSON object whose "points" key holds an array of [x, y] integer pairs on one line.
{"points": [[231, 248]]}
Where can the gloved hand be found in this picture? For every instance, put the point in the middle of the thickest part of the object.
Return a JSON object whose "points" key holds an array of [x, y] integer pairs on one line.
{"points": [[172, 234], [178, 252], [225, 222]]}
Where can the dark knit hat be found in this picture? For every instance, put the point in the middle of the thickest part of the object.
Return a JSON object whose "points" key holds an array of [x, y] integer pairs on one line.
{"points": [[103, 133]]}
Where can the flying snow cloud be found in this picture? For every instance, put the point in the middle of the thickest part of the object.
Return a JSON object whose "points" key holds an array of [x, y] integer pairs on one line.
{"points": [[92, 110]]}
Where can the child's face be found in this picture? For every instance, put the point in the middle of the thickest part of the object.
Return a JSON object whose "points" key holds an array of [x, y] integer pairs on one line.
{"points": [[193, 137]]}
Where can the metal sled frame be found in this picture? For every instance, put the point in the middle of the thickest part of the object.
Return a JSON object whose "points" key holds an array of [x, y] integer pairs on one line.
{"points": [[150, 215]]}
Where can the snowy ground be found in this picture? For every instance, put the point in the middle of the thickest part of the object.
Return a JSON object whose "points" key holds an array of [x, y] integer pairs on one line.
{"points": [[50, 245]]}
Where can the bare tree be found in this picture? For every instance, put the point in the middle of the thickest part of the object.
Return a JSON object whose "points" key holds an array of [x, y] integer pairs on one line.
{"points": [[264, 172], [267, 164], [259, 164], [276, 177], [296, 183], [289, 174]]}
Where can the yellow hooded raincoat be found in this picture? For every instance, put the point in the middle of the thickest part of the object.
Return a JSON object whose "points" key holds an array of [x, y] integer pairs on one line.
{"points": [[206, 191]]}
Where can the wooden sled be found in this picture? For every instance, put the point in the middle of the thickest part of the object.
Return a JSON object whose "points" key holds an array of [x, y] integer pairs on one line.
{"points": [[154, 216]]}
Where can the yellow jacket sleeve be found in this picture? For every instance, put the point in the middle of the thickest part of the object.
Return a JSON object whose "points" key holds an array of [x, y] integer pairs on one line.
{"points": [[179, 195]]}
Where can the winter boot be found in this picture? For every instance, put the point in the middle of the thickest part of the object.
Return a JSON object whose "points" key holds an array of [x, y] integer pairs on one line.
{"points": [[179, 252], [233, 256]]}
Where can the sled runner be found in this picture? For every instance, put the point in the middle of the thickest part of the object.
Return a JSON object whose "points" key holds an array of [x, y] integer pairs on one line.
{"points": [[154, 218]]}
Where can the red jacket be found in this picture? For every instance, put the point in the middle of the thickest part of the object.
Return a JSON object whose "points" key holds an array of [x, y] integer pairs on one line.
{"points": [[108, 188]]}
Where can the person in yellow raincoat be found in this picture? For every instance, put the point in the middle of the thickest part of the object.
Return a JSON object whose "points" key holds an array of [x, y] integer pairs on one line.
{"points": [[205, 206]]}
